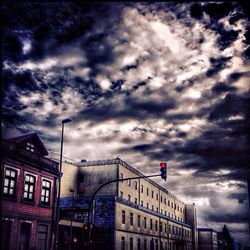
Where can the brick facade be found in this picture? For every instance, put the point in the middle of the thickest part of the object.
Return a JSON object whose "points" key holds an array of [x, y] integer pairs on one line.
{"points": [[29, 223]]}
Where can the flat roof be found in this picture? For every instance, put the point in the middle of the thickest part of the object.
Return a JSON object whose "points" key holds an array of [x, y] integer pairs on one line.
{"points": [[132, 169]]}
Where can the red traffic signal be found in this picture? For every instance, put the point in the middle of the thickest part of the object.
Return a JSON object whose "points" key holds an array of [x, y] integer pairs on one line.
{"points": [[163, 170], [163, 164]]}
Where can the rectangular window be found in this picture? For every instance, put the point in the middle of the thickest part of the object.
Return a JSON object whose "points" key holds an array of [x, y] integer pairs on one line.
{"points": [[123, 217], [45, 192], [161, 245], [135, 185], [147, 205], [145, 244], [157, 197], [29, 187], [121, 176], [160, 226], [141, 188], [145, 222], [129, 197], [30, 147], [123, 243], [139, 221], [131, 244], [131, 219], [165, 228], [129, 183], [152, 194], [142, 203], [121, 194], [165, 201], [166, 245], [156, 225], [151, 224], [42, 231], [10, 183], [135, 200], [147, 191], [161, 198], [152, 207], [168, 203], [172, 204], [138, 244]]}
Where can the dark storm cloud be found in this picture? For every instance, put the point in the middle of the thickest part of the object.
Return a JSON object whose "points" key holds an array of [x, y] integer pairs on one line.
{"points": [[227, 217], [216, 11], [216, 149], [50, 29], [155, 150], [231, 105], [241, 197], [227, 38], [134, 108], [222, 87], [217, 64], [12, 48]]}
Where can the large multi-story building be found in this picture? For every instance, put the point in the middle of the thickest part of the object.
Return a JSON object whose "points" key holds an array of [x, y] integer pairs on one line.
{"points": [[207, 239], [28, 193], [131, 214]]}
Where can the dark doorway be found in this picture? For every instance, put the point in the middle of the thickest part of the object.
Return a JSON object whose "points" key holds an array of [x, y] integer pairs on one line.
{"points": [[42, 234], [24, 236], [6, 234]]}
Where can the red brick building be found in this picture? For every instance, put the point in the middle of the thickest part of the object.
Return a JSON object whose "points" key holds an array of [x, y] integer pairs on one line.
{"points": [[28, 194]]}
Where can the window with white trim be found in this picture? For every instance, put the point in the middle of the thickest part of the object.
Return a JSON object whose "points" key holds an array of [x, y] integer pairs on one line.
{"points": [[10, 182], [29, 187], [45, 192]]}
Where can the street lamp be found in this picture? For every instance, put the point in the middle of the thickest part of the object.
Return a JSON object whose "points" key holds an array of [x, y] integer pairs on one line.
{"points": [[70, 235], [59, 183]]}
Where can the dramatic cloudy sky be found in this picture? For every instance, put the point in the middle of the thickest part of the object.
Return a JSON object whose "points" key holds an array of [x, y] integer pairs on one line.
{"points": [[145, 82]]}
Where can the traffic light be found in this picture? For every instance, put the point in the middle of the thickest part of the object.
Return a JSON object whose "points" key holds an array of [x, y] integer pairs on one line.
{"points": [[163, 170], [86, 230]]}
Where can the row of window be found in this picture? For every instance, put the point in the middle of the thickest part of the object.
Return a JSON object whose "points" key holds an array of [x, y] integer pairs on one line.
{"points": [[139, 244], [162, 227], [166, 202], [10, 186], [152, 207]]}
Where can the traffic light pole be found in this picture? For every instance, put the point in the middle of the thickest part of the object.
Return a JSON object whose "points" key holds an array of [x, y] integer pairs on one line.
{"points": [[90, 209]]}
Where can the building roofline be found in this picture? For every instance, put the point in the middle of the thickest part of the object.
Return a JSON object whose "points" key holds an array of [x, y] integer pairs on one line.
{"points": [[206, 229], [21, 138], [132, 169]]}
